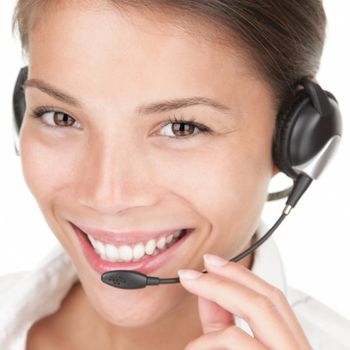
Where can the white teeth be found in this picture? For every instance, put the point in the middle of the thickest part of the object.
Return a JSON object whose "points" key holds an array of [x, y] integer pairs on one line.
{"points": [[177, 234], [169, 238], [156, 252], [161, 243], [93, 241], [100, 248], [150, 246], [112, 252], [138, 251], [126, 253]]}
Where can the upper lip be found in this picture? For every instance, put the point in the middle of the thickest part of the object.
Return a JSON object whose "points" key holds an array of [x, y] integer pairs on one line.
{"points": [[118, 238]]}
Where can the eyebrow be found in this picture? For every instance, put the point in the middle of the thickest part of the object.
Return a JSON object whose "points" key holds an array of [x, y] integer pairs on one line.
{"points": [[156, 107]]}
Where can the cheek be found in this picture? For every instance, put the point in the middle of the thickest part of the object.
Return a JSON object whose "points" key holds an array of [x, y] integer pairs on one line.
{"points": [[230, 178], [227, 187], [46, 168]]}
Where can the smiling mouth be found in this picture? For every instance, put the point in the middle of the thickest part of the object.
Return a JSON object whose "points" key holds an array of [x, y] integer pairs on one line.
{"points": [[137, 251]]}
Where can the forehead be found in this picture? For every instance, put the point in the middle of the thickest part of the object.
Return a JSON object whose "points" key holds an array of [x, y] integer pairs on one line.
{"points": [[104, 46]]}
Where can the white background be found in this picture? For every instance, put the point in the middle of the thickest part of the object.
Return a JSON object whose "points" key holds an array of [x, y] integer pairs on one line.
{"points": [[313, 240]]}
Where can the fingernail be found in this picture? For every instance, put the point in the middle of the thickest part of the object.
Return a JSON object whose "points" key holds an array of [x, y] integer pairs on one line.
{"points": [[189, 274], [214, 260]]}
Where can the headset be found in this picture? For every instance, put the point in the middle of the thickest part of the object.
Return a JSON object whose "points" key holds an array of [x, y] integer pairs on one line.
{"points": [[307, 133]]}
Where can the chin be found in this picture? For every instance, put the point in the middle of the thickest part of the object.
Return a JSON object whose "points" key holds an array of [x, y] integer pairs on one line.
{"points": [[133, 308]]}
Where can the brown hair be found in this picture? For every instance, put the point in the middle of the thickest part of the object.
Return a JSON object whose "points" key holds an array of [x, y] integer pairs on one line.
{"points": [[284, 38]]}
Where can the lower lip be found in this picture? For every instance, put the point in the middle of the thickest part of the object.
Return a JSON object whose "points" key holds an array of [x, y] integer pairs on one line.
{"points": [[146, 266]]}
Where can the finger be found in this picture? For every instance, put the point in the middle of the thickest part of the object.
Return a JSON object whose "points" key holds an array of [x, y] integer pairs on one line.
{"points": [[256, 309], [231, 338], [213, 317], [246, 277]]}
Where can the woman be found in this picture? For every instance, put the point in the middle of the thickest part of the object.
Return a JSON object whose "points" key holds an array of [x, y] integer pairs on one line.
{"points": [[120, 166]]}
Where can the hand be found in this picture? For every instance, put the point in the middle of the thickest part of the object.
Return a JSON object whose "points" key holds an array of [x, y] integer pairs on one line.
{"points": [[233, 289]]}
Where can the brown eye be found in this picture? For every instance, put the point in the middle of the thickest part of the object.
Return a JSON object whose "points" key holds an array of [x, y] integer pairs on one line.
{"points": [[63, 119], [183, 129], [55, 119]]}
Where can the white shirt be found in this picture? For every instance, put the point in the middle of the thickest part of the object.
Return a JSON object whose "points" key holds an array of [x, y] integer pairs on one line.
{"points": [[26, 297]]}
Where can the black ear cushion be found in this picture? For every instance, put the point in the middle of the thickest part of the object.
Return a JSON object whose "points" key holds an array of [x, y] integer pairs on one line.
{"points": [[289, 111], [19, 103]]}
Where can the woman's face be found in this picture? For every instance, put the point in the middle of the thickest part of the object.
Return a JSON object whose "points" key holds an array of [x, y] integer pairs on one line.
{"points": [[118, 167]]}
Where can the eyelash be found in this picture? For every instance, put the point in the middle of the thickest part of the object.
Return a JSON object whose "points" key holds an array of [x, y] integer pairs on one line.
{"points": [[40, 111], [203, 129]]}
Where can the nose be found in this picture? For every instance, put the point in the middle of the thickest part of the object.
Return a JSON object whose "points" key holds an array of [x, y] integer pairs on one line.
{"points": [[115, 176]]}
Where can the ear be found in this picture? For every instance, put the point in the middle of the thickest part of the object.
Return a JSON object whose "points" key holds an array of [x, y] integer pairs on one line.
{"points": [[275, 170]]}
